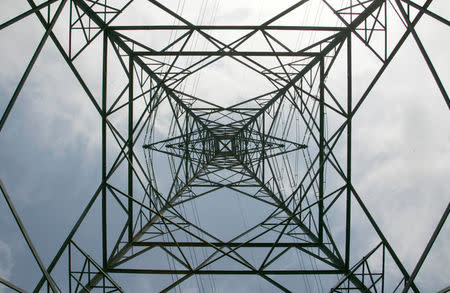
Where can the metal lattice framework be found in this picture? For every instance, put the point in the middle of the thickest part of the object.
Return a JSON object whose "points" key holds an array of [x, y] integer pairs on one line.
{"points": [[285, 151]]}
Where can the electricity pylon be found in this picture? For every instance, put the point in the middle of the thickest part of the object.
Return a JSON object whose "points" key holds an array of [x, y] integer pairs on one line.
{"points": [[286, 151]]}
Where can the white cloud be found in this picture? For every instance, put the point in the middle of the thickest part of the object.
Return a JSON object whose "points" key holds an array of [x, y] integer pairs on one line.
{"points": [[6, 260], [401, 155]]}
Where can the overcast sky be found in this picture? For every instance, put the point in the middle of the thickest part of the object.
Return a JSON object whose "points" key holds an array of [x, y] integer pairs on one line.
{"points": [[50, 158]]}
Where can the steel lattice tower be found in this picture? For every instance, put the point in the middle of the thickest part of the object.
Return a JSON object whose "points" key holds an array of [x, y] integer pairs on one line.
{"points": [[168, 145]]}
